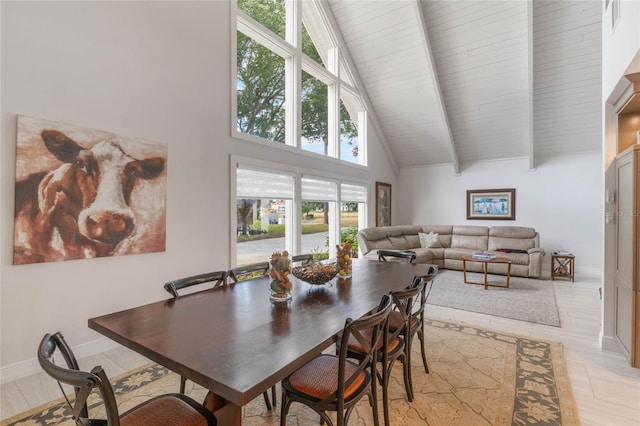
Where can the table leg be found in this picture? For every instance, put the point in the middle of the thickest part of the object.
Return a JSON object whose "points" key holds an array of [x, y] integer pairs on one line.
{"points": [[464, 269], [229, 415], [485, 267], [508, 273]]}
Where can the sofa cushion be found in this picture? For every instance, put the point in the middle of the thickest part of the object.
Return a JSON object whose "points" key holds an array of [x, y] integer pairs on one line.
{"points": [[458, 253], [512, 237], [423, 255], [429, 240], [515, 258], [443, 231], [413, 240], [373, 234], [398, 242]]}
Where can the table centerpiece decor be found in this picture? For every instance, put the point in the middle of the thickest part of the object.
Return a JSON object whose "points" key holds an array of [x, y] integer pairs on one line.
{"points": [[280, 283], [344, 260], [315, 273]]}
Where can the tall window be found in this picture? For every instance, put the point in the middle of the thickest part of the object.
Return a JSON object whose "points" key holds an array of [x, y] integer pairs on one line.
{"points": [[289, 87], [352, 212], [318, 217], [262, 201], [282, 207]]}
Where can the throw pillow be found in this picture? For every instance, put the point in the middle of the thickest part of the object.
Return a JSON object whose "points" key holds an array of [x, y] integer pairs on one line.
{"points": [[429, 240]]}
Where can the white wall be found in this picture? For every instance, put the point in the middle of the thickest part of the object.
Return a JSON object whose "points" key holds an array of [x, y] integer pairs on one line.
{"points": [[620, 43], [561, 199], [154, 70]]}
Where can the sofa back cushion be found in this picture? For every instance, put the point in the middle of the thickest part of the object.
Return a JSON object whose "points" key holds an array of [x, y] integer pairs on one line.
{"points": [[471, 237], [513, 237], [443, 231], [391, 237]]}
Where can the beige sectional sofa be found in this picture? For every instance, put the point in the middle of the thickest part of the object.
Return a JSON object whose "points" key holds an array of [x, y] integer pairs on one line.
{"points": [[519, 244]]}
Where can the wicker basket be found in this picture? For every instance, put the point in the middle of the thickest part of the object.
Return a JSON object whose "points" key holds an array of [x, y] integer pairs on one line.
{"points": [[315, 273]]}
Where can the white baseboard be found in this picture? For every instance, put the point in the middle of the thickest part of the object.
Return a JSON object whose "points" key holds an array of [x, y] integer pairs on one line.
{"points": [[609, 343], [21, 369]]}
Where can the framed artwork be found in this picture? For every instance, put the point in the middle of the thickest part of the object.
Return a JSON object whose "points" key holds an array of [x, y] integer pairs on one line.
{"points": [[383, 204], [83, 193], [498, 204]]}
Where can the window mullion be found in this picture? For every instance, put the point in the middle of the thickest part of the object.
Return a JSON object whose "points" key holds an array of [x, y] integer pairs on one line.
{"points": [[333, 148], [293, 70], [253, 29]]}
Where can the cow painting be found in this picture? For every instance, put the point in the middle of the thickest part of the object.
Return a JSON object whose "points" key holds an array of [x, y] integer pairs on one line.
{"points": [[83, 193]]}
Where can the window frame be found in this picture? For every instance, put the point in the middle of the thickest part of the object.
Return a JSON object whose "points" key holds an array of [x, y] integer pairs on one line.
{"points": [[293, 233], [295, 62]]}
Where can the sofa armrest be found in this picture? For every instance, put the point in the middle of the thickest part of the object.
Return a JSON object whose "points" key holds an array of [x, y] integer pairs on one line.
{"points": [[536, 250]]}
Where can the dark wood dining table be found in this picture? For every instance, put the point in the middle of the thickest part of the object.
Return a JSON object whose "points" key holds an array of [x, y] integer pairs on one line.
{"points": [[237, 343]]}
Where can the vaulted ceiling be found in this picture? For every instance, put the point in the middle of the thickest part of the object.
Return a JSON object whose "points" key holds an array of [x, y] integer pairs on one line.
{"points": [[461, 81]]}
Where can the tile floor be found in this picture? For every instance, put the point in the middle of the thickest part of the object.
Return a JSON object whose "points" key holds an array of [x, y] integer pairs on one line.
{"points": [[606, 389]]}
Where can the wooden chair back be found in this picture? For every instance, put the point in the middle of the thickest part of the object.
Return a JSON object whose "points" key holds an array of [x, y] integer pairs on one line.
{"points": [[388, 255], [173, 287], [245, 272]]}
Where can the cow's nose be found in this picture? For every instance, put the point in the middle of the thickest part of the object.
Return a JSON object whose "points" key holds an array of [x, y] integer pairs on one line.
{"points": [[109, 227]]}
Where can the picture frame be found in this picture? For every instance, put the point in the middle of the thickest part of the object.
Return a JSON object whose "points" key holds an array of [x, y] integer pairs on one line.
{"points": [[383, 204], [491, 204]]}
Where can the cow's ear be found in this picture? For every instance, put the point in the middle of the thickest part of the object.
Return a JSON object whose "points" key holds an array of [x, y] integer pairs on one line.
{"points": [[64, 148], [148, 168]]}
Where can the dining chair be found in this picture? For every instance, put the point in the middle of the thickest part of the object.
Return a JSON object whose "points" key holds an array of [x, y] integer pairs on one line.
{"points": [[413, 324], [174, 287], [334, 382], [389, 255], [403, 319], [393, 346], [220, 278], [163, 410], [247, 272], [304, 259]]}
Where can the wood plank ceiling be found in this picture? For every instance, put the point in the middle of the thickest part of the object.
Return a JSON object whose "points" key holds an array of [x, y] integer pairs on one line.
{"points": [[462, 81]]}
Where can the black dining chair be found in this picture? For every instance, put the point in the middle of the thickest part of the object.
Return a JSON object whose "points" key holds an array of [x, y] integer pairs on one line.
{"points": [[220, 278], [164, 410], [394, 344], [335, 382], [412, 324], [396, 256], [247, 272], [174, 287], [303, 259], [401, 320]]}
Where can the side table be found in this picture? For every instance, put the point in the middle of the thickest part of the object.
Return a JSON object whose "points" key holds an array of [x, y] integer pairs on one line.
{"points": [[562, 266]]}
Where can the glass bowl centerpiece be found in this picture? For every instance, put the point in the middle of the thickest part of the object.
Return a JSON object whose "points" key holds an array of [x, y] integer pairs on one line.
{"points": [[315, 273]]}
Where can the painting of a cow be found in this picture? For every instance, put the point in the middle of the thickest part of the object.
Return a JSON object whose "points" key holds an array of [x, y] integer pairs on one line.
{"points": [[83, 193]]}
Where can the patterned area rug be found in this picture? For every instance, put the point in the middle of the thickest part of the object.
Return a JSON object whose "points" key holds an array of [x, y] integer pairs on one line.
{"points": [[526, 299], [478, 377]]}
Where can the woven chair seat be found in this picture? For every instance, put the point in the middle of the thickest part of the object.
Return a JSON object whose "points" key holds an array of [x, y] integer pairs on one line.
{"points": [[165, 410], [396, 322], [319, 378]]}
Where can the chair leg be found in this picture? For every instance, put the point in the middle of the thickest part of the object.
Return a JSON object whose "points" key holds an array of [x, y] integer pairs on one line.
{"points": [[424, 355], [408, 384], [374, 395], [183, 381], [284, 408], [385, 391]]}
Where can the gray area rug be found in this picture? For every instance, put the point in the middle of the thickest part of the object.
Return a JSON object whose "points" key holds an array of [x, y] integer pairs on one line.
{"points": [[527, 299]]}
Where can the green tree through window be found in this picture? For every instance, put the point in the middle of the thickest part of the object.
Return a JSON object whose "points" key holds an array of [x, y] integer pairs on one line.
{"points": [[261, 84]]}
